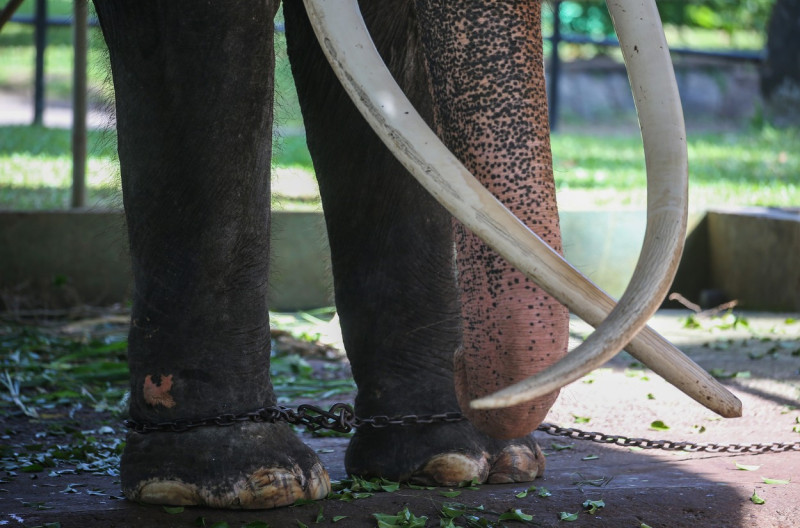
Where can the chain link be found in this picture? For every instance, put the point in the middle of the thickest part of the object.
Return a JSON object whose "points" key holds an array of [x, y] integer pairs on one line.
{"points": [[667, 445], [342, 418]]}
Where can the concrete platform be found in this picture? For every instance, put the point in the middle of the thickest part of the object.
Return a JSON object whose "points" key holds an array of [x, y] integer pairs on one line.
{"points": [[639, 487], [755, 255], [68, 258]]}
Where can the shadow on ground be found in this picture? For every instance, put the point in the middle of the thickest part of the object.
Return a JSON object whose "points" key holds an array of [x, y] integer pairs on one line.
{"points": [[759, 362]]}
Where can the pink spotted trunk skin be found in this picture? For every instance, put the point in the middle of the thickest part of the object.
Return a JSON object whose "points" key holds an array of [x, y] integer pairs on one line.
{"points": [[489, 91]]}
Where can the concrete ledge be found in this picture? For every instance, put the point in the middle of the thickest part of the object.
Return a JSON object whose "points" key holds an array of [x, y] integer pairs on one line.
{"points": [[58, 259], [63, 258], [604, 245], [755, 256]]}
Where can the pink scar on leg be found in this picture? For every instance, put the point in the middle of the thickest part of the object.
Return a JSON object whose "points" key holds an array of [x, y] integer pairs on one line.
{"points": [[158, 394]]}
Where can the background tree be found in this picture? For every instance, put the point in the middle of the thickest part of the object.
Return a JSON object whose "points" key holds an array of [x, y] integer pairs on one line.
{"points": [[780, 74]]}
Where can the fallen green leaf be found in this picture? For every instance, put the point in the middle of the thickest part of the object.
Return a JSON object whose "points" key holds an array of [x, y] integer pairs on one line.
{"points": [[569, 517], [581, 419], [544, 492], [338, 518], [39, 506], [349, 496], [592, 506], [173, 509], [470, 484], [403, 518], [744, 467], [658, 425], [561, 447], [590, 457], [450, 494], [755, 499], [389, 486], [775, 481], [32, 468], [319, 518], [453, 509], [515, 515]]}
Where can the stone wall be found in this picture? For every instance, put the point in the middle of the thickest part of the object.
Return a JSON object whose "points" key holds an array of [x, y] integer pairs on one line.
{"points": [[712, 91]]}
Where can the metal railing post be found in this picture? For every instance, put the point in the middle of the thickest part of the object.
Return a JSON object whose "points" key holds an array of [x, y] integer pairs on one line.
{"points": [[41, 43], [79, 104]]}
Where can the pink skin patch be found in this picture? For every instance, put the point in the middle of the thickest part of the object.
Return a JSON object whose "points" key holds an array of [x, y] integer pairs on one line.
{"points": [[158, 394]]}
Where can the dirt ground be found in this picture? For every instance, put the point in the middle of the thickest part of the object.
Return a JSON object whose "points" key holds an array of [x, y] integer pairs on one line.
{"points": [[759, 362]]}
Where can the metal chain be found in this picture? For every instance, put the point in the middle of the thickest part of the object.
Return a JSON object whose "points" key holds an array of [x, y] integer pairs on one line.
{"points": [[342, 418], [667, 445]]}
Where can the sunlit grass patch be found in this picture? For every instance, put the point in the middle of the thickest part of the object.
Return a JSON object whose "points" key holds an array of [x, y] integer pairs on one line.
{"points": [[759, 167], [754, 167]]}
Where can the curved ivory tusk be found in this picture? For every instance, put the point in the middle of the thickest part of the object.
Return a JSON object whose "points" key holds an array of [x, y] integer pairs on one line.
{"points": [[349, 48]]}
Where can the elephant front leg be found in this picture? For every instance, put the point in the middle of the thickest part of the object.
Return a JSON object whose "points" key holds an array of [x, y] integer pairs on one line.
{"points": [[393, 261], [193, 88]]}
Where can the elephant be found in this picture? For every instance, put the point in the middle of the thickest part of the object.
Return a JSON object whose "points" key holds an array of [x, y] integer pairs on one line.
{"points": [[432, 316]]}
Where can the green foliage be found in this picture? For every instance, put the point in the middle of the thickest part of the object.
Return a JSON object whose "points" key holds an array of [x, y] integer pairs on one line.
{"points": [[591, 506], [727, 15], [755, 499], [40, 371], [403, 518], [659, 425], [63, 449], [591, 17]]}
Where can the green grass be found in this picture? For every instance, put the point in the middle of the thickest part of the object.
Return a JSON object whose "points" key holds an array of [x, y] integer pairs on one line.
{"points": [[85, 363], [752, 167], [17, 54], [36, 170], [756, 167]]}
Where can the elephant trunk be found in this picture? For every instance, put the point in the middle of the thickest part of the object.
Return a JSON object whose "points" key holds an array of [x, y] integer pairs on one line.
{"points": [[487, 81]]}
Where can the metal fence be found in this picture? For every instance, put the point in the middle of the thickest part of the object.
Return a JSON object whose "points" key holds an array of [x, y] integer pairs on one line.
{"points": [[555, 60], [80, 22]]}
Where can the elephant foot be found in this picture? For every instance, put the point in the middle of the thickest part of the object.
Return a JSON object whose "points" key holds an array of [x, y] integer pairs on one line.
{"points": [[442, 455], [244, 466]]}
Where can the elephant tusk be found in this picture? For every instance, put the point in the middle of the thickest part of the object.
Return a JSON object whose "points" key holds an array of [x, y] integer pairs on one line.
{"points": [[346, 42], [660, 114]]}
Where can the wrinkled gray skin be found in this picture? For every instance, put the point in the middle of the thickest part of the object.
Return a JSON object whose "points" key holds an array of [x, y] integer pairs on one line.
{"points": [[193, 85]]}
